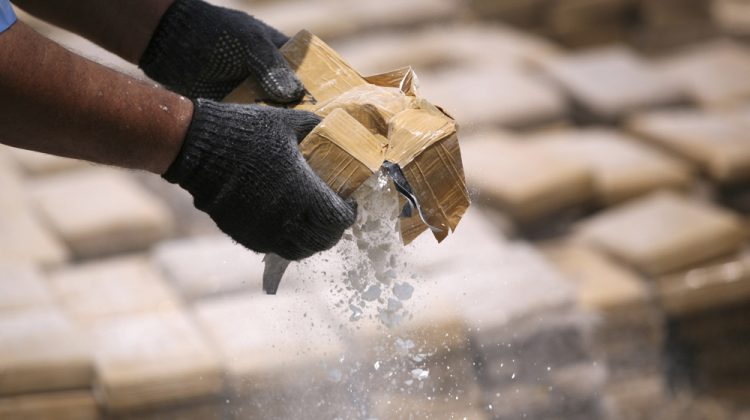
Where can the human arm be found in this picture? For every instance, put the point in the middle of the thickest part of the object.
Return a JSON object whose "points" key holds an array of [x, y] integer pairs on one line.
{"points": [[240, 163], [54, 101], [190, 46]]}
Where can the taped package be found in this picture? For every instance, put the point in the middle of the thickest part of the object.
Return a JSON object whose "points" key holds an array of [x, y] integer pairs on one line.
{"points": [[373, 123]]}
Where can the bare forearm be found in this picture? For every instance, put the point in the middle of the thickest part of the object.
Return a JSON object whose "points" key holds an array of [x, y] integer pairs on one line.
{"points": [[54, 101], [121, 26]]}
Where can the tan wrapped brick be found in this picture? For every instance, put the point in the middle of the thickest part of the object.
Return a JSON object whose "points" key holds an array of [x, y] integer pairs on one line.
{"points": [[25, 239], [716, 142], [206, 266], [663, 232], [41, 350], [602, 285], [97, 291], [153, 360], [526, 184], [280, 353], [611, 82], [621, 166], [715, 73], [99, 211], [22, 286], [495, 95], [706, 287]]}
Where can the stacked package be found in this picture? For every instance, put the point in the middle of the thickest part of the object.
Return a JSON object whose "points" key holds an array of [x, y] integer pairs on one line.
{"points": [[149, 358], [622, 168], [46, 364], [424, 368], [218, 266], [530, 187], [709, 307], [45, 361], [541, 368], [99, 211], [529, 343], [627, 331], [278, 365], [714, 141], [606, 84], [727, 61], [26, 240], [680, 264]]}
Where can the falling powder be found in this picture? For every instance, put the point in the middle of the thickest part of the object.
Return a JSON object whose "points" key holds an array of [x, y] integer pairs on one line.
{"points": [[372, 288], [374, 282], [420, 374]]}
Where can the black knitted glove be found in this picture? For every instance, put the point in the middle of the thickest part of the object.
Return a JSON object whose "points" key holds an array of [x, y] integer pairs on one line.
{"points": [[243, 167], [205, 51]]}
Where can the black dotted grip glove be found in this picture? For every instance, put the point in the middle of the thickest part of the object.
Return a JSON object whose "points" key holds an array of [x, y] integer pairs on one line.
{"points": [[205, 51], [243, 167]]}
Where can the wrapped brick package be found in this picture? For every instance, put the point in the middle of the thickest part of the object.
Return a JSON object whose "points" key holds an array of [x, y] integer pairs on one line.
{"points": [[377, 122]]}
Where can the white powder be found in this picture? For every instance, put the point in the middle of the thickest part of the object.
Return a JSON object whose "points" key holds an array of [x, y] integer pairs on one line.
{"points": [[420, 374], [371, 286], [368, 273]]}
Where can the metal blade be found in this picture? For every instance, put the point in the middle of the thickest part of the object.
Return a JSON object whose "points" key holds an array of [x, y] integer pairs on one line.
{"points": [[403, 188], [273, 272]]}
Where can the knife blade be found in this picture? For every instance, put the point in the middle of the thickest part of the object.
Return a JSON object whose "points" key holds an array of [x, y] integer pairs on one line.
{"points": [[275, 267]]}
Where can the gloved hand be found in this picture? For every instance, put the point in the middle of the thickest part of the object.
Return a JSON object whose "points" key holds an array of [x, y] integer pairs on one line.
{"points": [[243, 167], [205, 51]]}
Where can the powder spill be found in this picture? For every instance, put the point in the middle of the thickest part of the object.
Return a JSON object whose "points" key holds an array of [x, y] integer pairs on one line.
{"points": [[372, 259], [370, 287]]}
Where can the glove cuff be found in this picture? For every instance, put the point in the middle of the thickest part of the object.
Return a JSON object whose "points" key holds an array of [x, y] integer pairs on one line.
{"points": [[210, 119], [170, 57]]}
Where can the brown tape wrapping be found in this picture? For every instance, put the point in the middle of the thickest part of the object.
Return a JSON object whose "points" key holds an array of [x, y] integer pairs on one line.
{"points": [[342, 152], [370, 120]]}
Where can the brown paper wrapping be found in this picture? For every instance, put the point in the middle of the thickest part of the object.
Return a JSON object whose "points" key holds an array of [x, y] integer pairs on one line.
{"points": [[369, 120], [342, 152]]}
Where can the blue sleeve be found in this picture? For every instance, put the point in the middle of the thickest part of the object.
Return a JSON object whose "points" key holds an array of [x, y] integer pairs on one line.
{"points": [[7, 17]]}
